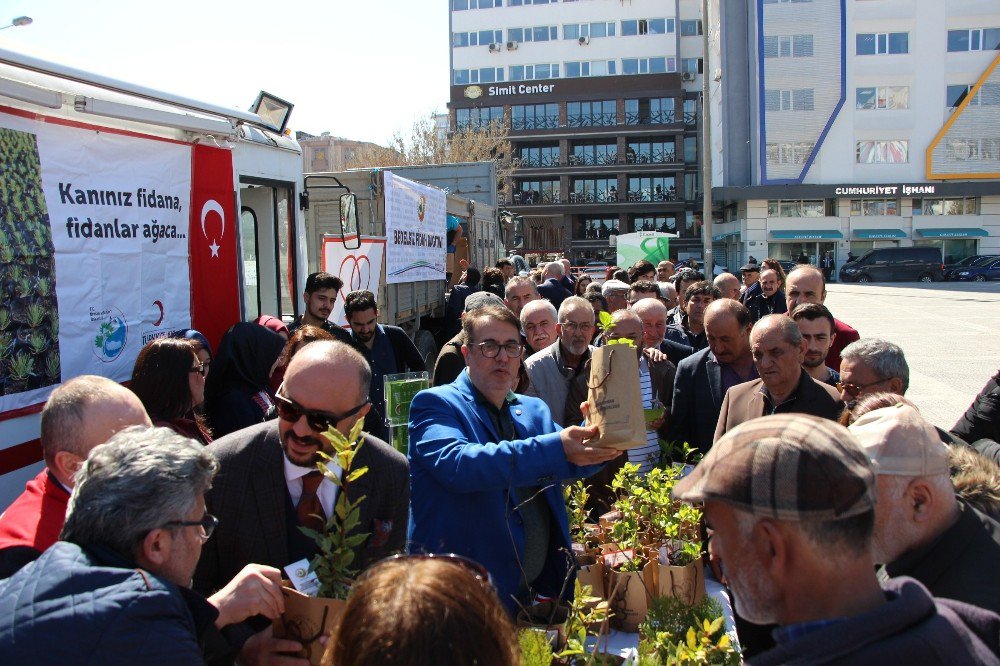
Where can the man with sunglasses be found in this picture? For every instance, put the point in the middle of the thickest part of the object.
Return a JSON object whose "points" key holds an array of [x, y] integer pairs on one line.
{"points": [[268, 486], [115, 589], [487, 465], [872, 366]]}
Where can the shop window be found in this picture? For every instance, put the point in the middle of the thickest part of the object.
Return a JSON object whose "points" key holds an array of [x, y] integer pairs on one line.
{"points": [[796, 208], [595, 228], [862, 207], [953, 249], [948, 206]]}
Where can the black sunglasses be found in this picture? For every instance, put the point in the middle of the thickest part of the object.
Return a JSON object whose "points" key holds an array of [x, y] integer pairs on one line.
{"points": [[291, 411], [475, 568], [208, 524]]}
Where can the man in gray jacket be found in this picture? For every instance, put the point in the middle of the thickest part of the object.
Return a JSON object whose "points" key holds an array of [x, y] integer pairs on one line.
{"points": [[552, 369]]}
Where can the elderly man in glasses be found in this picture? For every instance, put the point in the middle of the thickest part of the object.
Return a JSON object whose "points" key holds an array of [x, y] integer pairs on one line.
{"points": [[268, 485], [872, 365], [487, 464], [115, 588]]}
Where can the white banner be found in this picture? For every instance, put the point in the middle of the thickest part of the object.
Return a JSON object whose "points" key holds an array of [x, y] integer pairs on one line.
{"points": [[96, 224], [415, 231], [357, 269]]}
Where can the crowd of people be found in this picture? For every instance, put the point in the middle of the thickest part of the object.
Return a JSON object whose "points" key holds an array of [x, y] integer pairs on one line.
{"points": [[847, 528]]}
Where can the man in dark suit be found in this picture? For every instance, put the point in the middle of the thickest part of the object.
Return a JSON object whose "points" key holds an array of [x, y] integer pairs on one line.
{"points": [[267, 474], [703, 378], [487, 465], [551, 287], [778, 350]]}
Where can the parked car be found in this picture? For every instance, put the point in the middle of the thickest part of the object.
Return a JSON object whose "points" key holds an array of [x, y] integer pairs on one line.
{"points": [[951, 270], [895, 264], [980, 271]]}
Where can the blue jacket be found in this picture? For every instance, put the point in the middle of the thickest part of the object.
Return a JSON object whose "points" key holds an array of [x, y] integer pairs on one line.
{"points": [[462, 478], [70, 607]]}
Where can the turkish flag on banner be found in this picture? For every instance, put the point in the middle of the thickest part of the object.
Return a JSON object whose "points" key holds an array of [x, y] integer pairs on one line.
{"points": [[214, 246]]}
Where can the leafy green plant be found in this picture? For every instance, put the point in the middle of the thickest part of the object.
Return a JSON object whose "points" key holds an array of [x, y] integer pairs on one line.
{"points": [[583, 615], [4, 319], [6, 344], [576, 496], [334, 563], [23, 286], [43, 286], [536, 650], [677, 633], [604, 321], [6, 252], [38, 342], [36, 314], [20, 366], [52, 365]]}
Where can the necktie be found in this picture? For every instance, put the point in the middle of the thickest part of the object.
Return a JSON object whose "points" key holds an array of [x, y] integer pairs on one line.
{"points": [[310, 510]]}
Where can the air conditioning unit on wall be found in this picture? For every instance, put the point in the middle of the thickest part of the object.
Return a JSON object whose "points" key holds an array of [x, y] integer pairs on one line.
{"points": [[511, 46], [495, 47], [583, 41], [688, 76]]}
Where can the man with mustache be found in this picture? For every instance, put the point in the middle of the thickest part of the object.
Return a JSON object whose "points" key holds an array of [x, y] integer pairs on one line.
{"points": [[538, 323], [319, 297], [268, 485]]}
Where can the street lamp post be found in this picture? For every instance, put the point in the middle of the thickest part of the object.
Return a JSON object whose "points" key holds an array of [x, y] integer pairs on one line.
{"points": [[17, 22], [706, 152]]}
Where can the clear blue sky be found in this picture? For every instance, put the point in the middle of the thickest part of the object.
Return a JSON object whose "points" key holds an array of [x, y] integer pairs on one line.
{"points": [[354, 68]]}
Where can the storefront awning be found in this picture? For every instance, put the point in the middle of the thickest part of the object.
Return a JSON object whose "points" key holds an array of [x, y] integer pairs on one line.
{"points": [[872, 234], [952, 232], [722, 237], [805, 234]]}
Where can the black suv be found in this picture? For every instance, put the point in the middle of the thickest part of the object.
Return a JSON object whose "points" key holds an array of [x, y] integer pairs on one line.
{"points": [[895, 264]]}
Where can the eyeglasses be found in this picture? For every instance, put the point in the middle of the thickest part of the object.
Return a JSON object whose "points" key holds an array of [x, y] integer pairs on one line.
{"points": [[201, 368], [490, 349], [475, 568], [291, 411], [854, 390], [573, 327], [208, 524]]}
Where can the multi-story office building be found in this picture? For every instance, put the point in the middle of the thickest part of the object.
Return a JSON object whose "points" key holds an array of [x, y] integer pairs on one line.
{"points": [[846, 125], [601, 100], [327, 152]]}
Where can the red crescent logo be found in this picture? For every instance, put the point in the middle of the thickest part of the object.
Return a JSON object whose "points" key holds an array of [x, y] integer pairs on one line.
{"points": [[159, 306], [359, 275]]}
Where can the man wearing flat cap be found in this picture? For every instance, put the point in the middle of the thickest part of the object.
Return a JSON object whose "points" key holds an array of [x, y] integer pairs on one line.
{"points": [[922, 529], [790, 503]]}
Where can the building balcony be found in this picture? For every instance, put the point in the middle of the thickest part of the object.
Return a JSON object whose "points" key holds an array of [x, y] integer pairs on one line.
{"points": [[630, 158]]}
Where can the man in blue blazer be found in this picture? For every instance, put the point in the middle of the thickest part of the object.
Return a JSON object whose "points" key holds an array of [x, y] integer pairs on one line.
{"points": [[486, 467]]}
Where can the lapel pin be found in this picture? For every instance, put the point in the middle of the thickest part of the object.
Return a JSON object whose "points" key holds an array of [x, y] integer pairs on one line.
{"points": [[517, 411]]}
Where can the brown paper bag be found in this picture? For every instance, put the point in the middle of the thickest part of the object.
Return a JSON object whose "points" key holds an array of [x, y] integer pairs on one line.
{"points": [[590, 571], [306, 619], [629, 594], [686, 583], [615, 398]]}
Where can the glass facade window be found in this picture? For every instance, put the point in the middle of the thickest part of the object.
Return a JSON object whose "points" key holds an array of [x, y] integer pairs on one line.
{"points": [[866, 207], [691, 65], [595, 228], [651, 152], [594, 190], [590, 68], [462, 77], [883, 98], [789, 100], [655, 110], [973, 149], [789, 153], [532, 192], [788, 46], [651, 188], [691, 28], [894, 151], [459, 5], [692, 187], [537, 71], [539, 156], [953, 250], [987, 95], [479, 117], [592, 30], [534, 116], [594, 154], [949, 206], [591, 114], [690, 112], [976, 39], [691, 149], [654, 65], [882, 43], [538, 33], [662, 223], [518, 3], [481, 38], [653, 26], [795, 208]]}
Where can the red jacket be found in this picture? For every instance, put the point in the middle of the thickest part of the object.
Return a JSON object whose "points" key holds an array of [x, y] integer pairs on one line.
{"points": [[35, 518], [845, 336]]}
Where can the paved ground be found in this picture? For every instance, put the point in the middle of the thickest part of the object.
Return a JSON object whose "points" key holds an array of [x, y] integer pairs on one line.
{"points": [[949, 331]]}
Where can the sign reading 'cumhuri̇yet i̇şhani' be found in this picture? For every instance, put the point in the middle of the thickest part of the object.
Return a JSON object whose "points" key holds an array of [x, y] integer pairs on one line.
{"points": [[415, 247]]}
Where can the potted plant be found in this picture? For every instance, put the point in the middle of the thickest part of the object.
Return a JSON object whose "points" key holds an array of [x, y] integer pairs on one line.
{"points": [[678, 633], [585, 538], [308, 618]]}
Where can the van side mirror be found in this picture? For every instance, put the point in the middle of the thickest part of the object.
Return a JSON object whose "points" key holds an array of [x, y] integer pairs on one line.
{"points": [[349, 234]]}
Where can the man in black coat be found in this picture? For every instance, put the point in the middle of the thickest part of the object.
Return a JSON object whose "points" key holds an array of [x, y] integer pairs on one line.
{"points": [[266, 488], [388, 350]]}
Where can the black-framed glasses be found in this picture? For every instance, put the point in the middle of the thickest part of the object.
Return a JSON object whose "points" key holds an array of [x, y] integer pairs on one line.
{"points": [[573, 326], [475, 568], [201, 368], [208, 523], [854, 390], [491, 348], [291, 411]]}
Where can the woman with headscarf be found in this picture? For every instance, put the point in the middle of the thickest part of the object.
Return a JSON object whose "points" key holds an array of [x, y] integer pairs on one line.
{"points": [[237, 394], [169, 379]]}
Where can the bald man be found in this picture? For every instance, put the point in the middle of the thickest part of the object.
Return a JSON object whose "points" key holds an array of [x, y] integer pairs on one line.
{"points": [[729, 285], [805, 284], [653, 314], [79, 415]]}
